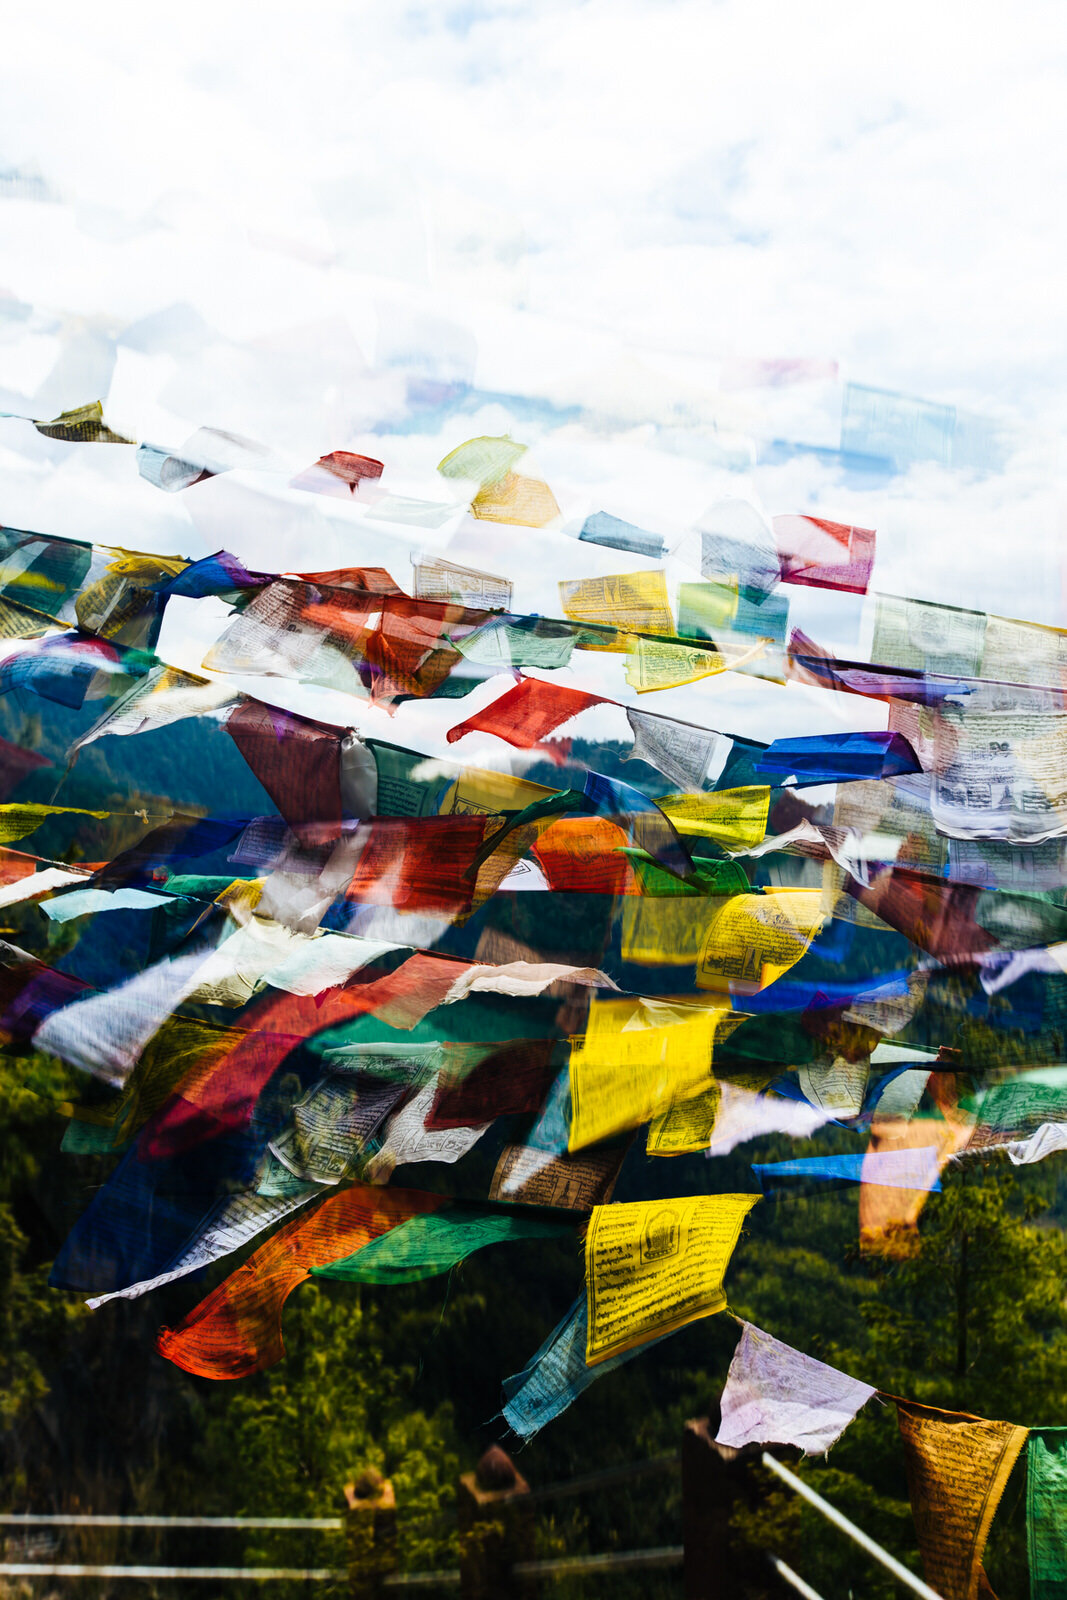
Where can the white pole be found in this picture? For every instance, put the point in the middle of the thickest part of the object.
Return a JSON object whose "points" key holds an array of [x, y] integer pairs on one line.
{"points": [[35, 1569], [916, 1585], [795, 1579], [41, 1519]]}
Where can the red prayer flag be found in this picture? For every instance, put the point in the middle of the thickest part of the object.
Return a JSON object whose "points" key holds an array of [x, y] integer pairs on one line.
{"points": [[513, 1081], [825, 555], [224, 1097], [418, 864], [296, 760], [937, 915], [526, 713]]}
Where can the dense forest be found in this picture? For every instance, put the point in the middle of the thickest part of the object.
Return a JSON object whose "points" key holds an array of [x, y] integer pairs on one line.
{"points": [[407, 1379]]}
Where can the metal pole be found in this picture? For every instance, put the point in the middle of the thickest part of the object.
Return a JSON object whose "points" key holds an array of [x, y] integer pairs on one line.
{"points": [[794, 1579], [865, 1542]]}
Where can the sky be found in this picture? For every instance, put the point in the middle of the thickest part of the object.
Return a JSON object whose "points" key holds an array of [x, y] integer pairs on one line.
{"points": [[591, 225]]}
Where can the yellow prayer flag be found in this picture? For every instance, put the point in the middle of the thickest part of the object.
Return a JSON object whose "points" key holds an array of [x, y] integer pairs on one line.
{"points": [[527, 502], [654, 664], [1024, 652], [495, 868], [241, 897], [19, 621], [734, 818], [755, 938], [627, 1068], [120, 599], [16, 821], [181, 1050], [687, 1127], [958, 1467], [704, 608], [635, 601], [478, 791], [84, 423], [665, 932], [653, 1266]]}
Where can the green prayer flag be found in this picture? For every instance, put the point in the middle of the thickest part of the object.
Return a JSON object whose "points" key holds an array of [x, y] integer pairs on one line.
{"points": [[400, 792], [199, 885], [501, 645], [709, 877], [1023, 1103], [1046, 1513], [426, 1245]]}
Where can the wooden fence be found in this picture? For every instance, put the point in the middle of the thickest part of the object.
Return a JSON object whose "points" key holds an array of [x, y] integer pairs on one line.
{"points": [[496, 1512]]}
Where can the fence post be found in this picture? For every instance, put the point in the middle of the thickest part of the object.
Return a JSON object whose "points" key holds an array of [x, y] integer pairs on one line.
{"points": [[370, 1524], [496, 1529], [715, 1477]]}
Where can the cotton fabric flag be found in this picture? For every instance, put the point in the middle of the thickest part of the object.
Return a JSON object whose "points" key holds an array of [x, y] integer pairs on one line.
{"points": [[602, 528], [1046, 1512], [233, 1223], [556, 1375], [777, 1395], [527, 713], [635, 601], [237, 1329], [686, 755], [888, 1214], [627, 1069], [653, 1266], [425, 1246], [733, 818], [958, 1467], [896, 1169], [516, 498], [754, 939], [744, 1114], [830, 555], [839, 757]]}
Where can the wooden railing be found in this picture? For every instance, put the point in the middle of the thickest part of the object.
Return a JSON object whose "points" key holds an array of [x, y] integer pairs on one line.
{"points": [[495, 1519]]}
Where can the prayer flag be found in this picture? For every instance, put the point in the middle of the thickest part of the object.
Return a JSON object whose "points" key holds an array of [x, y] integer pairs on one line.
{"points": [[237, 1329], [958, 1466], [653, 1266], [1046, 1512], [777, 1395]]}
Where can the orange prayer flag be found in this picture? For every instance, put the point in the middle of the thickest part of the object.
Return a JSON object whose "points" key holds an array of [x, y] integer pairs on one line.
{"points": [[889, 1216], [958, 1466], [237, 1329], [582, 855]]}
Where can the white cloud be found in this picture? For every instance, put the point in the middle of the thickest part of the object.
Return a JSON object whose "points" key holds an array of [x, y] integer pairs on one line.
{"points": [[578, 205]]}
